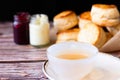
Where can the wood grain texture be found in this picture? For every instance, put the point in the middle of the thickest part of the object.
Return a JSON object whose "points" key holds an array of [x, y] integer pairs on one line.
{"points": [[10, 52], [22, 62], [19, 62], [22, 71]]}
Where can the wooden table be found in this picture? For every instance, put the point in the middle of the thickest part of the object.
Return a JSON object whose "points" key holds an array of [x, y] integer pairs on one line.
{"points": [[21, 62]]}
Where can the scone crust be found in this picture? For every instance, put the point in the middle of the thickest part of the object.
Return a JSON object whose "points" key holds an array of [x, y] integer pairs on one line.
{"points": [[67, 35], [65, 20], [84, 18], [63, 14], [93, 34], [104, 6], [105, 15], [85, 15]]}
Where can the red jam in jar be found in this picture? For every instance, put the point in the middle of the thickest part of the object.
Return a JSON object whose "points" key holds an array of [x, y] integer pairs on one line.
{"points": [[21, 28]]}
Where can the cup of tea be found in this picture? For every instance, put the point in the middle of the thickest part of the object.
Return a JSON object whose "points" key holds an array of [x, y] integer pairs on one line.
{"points": [[71, 60]]}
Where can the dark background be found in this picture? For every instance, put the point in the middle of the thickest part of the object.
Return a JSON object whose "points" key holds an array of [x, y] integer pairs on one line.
{"points": [[50, 7]]}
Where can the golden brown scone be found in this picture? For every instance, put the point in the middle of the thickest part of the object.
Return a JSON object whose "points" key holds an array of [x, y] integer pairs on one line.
{"points": [[93, 34], [84, 18], [65, 20], [105, 15], [114, 30], [67, 35]]}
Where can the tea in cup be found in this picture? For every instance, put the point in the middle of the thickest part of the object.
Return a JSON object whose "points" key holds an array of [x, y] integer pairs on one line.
{"points": [[71, 60]]}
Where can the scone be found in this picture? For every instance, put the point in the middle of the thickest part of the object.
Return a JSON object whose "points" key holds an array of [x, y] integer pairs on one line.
{"points": [[67, 35], [105, 15], [65, 20], [84, 18], [93, 34], [114, 30]]}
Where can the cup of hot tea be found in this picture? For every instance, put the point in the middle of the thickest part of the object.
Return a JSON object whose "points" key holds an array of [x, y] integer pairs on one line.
{"points": [[71, 60]]}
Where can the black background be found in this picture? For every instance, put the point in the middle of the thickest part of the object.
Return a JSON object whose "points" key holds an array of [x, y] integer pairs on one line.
{"points": [[50, 7]]}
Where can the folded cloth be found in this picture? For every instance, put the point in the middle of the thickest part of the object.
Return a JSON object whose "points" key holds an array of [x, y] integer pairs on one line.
{"points": [[112, 45]]}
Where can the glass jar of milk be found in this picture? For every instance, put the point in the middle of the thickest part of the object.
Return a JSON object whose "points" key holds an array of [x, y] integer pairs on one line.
{"points": [[39, 30]]}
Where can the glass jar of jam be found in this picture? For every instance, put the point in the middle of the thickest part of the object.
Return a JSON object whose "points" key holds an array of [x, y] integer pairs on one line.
{"points": [[21, 28]]}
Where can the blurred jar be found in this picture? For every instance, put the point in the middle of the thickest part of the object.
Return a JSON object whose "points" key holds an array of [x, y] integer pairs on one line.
{"points": [[39, 30], [21, 28]]}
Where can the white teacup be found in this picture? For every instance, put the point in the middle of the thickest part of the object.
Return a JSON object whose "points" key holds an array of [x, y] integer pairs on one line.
{"points": [[71, 60]]}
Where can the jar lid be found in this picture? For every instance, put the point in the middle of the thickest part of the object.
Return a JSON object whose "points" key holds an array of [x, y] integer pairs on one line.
{"points": [[22, 16]]}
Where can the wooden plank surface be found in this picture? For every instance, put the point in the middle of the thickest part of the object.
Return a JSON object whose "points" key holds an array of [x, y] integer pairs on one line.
{"points": [[22, 62], [22, 71], [10, 52], [19, 62]]}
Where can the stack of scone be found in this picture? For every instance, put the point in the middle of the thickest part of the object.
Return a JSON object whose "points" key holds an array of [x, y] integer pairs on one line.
{"points": [[96, 26], [66, 25]]}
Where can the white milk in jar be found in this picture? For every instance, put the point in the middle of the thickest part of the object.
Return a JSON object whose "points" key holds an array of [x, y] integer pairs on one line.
{"points": [[39, 30]]}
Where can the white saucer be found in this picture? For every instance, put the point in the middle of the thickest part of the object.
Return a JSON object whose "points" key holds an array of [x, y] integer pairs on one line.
{"points": [[107, 68]]}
